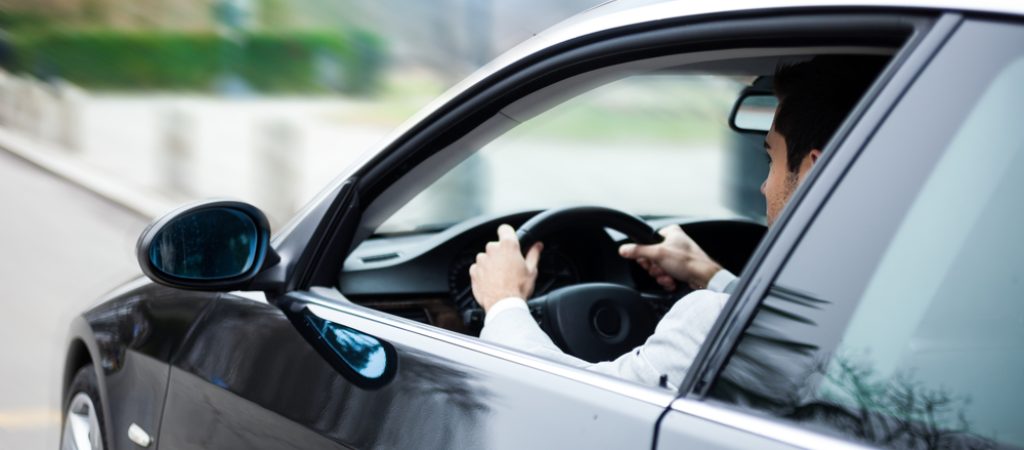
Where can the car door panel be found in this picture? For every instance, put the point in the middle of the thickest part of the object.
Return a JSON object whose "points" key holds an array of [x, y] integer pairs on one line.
{"points": [[690, 430], [446, 393], [693, 424]]}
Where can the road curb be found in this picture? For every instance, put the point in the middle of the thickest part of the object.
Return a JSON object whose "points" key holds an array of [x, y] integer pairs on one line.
{"points": [[55, 161]]}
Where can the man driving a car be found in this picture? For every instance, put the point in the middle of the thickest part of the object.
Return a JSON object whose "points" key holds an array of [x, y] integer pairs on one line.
{"points": [[814, 98]]}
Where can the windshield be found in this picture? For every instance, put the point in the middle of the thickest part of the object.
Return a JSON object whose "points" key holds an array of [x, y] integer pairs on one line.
{"points": [[652, 145]]}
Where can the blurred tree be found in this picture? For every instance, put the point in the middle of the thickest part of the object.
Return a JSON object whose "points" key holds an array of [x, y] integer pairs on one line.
{"points": [[275, 14]]}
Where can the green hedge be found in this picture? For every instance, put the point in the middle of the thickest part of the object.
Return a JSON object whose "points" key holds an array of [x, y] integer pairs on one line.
{"points": [[283, 62]]}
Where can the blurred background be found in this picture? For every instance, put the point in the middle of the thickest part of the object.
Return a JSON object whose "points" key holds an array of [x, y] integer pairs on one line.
{"points": [[114, 111]]}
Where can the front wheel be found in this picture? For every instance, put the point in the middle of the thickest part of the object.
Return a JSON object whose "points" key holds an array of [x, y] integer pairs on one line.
{"points": [[83, 416]]}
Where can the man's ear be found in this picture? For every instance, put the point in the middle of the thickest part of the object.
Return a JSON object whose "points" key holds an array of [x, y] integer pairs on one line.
{"points": [[807, 163], [814, 155]]}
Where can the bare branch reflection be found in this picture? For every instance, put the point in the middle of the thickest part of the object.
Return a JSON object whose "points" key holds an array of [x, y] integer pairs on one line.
{"points": [[845, 394]]}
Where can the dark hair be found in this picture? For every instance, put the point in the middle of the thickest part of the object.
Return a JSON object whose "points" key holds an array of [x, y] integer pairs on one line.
{"points": [[815, 96]]}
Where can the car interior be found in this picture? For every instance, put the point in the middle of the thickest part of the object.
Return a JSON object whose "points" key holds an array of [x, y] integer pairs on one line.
{"points": [[420, 272]]}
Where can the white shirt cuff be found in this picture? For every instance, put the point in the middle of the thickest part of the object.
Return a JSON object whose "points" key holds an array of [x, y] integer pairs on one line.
{"points": [[720, 281], [503, 305]]}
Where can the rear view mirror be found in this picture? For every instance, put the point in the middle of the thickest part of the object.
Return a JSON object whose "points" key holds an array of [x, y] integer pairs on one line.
{"points": [[210, 245], [753, 112]]}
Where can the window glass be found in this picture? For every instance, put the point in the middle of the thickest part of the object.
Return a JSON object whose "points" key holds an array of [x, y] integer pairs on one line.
{"points": [[654, 145], [899, 319]]}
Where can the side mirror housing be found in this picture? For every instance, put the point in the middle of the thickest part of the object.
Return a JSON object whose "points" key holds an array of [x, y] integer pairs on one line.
{"points": [[210, 245]]}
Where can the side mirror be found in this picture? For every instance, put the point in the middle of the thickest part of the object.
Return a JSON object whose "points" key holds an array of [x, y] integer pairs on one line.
{"points": [[753, 112], [211, 245]]}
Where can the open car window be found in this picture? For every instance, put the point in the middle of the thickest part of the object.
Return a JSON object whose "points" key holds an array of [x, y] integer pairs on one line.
{"points": [[654, 144]]}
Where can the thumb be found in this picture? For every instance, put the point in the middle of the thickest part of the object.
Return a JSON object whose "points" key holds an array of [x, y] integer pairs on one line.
{"points": [[533, 256]]}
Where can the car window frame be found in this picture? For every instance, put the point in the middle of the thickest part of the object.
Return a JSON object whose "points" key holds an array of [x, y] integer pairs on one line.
{"points": [[335, 235]]}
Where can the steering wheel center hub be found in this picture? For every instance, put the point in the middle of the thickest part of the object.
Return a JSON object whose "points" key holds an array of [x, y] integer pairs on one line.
{"points": [[608, 321], [595, 321]]}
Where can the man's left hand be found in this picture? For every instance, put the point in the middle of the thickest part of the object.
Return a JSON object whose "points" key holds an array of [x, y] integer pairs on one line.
{"points": [[501, 271]]}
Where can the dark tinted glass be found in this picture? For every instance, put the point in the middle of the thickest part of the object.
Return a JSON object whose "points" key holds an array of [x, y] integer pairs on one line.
{"points": [[210, 244], [364, 360], [898, 321], [361, 352]]}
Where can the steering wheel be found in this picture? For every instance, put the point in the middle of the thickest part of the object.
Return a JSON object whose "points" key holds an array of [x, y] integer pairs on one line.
{"points": [[593, 321]]}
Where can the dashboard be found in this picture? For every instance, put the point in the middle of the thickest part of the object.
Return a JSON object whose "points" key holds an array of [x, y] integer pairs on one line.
{"points": [[425, 276]]}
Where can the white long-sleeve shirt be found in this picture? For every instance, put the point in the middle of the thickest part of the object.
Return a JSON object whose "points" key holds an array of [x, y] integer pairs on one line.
{"points": [[668, 352]]}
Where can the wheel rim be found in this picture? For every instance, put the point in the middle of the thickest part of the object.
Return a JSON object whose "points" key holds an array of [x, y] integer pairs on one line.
{"points": [[82, 425]]}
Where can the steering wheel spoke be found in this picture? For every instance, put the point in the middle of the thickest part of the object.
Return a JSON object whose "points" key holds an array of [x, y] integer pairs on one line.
{"points": [[538, 309], [659, 303]]}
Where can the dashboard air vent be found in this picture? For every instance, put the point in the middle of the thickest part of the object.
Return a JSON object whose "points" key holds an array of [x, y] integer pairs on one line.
{"points": [[379, 258]]}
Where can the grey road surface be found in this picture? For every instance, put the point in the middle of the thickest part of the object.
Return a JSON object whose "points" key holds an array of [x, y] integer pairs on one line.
{"points": [[60, 249]]}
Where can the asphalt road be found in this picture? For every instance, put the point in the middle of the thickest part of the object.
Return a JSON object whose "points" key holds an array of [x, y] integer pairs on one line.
{"points": [[61, 248]]}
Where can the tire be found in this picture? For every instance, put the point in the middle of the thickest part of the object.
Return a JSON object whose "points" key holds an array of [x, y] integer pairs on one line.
{"points": [[83, 426]]}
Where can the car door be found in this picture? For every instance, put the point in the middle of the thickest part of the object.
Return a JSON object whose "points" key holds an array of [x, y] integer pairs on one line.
{"points": [[895, 320], [309, 369], [249, 379]]}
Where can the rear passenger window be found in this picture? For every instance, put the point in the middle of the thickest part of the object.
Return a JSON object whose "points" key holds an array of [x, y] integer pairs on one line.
{"points": [[899, 319]]}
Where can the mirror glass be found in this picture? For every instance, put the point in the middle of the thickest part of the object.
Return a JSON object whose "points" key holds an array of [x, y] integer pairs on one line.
{"points": [[210, 244], [755, 113]]}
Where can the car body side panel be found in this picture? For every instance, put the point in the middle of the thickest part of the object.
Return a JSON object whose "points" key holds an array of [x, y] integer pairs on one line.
{"points": [[691, 424], [249, 379], [683, 431], [130, 340]]}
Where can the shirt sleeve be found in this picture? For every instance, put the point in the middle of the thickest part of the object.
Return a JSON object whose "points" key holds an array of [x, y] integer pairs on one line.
{"points": [[722, 281], [668, 352], [503, 305]]}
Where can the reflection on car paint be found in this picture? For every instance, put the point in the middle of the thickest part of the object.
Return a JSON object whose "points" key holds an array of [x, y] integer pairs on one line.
{"points": [[363, 353], [780, 367]]}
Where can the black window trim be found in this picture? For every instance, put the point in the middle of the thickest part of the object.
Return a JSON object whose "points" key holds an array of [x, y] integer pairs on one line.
{"points": [[809, 199]]}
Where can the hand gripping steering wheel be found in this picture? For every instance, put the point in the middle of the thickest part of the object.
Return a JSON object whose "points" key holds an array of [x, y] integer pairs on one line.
{"points": [[593, 321]]}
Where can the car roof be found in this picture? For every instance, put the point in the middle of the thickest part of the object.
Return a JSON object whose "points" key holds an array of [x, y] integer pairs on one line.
{"points": [[621, 13], [677, 8]]}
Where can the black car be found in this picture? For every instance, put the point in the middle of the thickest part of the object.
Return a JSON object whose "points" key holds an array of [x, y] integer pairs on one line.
{"points": [[882, 309]]}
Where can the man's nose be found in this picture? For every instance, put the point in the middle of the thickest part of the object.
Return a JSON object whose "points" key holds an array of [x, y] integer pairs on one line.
{"points": [[763, 184]]}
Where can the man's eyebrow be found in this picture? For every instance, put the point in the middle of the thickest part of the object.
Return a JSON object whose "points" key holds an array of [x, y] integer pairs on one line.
{"points": [[766, 146]]}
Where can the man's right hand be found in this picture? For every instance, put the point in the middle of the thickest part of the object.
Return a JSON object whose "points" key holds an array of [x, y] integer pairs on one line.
{"points": [[678, 257]]}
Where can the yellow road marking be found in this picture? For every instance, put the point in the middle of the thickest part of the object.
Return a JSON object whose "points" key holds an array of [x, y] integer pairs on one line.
{"points": [[15, 419]]}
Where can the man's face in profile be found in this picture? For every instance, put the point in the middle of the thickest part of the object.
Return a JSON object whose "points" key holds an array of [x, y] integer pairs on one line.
{"points": [[780, 183]]}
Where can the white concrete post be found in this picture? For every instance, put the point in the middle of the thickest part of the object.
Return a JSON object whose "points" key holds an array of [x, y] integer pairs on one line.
{"points": [[70, 99], [25, 106], [278, 159], [46, 126], [6, 98], [177, 151]]}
